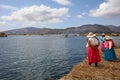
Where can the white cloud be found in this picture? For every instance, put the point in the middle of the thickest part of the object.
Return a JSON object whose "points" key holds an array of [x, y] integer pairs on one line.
{"points": [[63, 2], [110, 8], [79, 16], [68, 16], [84, 14], [3, 23], [8, 7], [37, 15]]}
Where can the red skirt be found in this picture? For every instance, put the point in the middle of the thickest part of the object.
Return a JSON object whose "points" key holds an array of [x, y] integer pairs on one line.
{"points": [[93, 55]]}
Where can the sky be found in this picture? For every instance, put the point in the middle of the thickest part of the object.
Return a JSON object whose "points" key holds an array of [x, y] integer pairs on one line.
{"points": [[57, 14]]}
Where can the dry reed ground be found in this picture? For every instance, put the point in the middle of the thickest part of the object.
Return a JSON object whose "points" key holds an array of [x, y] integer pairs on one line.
{"points": [[106, 70]]}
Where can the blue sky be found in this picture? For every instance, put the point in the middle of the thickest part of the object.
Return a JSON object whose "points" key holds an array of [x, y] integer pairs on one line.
{"points": [[57, 13]]}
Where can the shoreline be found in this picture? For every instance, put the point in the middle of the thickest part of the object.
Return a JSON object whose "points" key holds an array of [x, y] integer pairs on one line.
{"points": [[106, 70]]}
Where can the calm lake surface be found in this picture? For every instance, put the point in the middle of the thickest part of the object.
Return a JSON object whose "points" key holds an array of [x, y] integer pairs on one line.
{"points": [[39, 57]]}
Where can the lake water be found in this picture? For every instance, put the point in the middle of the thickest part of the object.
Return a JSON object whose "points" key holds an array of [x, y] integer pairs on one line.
{"points": [[39, 57]]}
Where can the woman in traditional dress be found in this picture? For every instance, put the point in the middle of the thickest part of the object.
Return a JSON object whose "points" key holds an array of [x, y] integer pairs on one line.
{"points": [[102, 40], [109, 52], [92, 49]]}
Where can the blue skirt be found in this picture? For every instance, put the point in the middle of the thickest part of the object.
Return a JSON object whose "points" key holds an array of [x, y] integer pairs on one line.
{"points": [[109, 54]]}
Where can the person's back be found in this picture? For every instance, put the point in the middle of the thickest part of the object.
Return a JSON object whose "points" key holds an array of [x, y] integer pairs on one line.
{"points": [[94, 41], [109, 53], [92, 49], [109, 44]]}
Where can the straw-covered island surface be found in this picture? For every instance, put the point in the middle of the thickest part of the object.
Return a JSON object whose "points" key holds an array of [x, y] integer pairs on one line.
{"points": [[106, 70]]}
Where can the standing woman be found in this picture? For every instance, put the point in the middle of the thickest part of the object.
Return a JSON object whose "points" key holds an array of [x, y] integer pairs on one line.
{"points": [[102, 40], [109, 52], [92, 49]]}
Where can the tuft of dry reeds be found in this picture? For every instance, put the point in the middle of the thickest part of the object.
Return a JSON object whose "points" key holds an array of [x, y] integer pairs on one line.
{"points": [[106, 70]]}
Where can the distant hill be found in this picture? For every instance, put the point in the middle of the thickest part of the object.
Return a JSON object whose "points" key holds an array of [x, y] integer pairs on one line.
{"points": [[27, 30], [114, 28], [96, 28]]}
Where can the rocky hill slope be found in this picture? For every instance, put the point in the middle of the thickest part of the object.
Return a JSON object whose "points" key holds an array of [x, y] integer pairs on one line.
{"points": [[96, 28]]}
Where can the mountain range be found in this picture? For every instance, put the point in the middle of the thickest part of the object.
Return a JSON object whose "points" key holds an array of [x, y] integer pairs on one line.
{"points": [[96, 28]]}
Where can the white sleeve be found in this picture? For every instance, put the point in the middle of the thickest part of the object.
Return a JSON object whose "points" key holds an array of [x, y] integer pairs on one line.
{"points": [[87, 42], [110, 45], [87, 45]]}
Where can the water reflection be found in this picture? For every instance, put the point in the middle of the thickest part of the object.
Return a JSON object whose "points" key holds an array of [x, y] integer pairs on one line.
{"points": [[39, 57]]}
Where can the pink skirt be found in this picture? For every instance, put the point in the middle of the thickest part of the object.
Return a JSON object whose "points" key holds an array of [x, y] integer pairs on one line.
{"points": [[93, 55], [102, 47]]}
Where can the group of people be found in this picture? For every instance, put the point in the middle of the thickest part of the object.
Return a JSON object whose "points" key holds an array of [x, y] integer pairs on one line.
{"points": [[94, 45]]}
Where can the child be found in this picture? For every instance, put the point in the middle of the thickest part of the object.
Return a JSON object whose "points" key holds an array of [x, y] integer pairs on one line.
{"points": [[102, 40]]}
